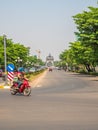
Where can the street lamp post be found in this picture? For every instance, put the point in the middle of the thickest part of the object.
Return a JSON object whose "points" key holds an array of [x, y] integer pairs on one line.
{"points": [[28, 64], [5, 57], [18, 60]]}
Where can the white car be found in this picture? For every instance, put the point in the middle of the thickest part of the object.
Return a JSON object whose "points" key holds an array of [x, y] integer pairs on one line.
{"points": [[32, 69]]}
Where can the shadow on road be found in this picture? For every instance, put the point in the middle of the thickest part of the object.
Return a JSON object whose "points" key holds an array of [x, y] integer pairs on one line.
{"points": [[92, 77]]}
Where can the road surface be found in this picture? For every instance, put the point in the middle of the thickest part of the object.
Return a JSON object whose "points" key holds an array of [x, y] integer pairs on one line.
{"points": [[59, 101]]}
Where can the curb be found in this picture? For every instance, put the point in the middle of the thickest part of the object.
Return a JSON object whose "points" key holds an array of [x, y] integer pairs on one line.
{"points": [[4, 87]]}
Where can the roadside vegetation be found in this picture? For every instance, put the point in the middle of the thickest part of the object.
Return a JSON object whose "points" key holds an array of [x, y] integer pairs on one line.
{"points": [[18, 54], [33, 75], [82, 55]]}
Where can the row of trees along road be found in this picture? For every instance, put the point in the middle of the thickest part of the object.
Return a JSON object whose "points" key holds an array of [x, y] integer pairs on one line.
{"points": [[15, 50], [84, 51]]}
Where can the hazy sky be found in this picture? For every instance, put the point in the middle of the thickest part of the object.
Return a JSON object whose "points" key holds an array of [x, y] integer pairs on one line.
{"points": [[44, 25]]}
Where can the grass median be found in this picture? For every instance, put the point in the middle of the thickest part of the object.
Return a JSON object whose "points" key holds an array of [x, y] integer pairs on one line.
{"points": [[32, 76]]}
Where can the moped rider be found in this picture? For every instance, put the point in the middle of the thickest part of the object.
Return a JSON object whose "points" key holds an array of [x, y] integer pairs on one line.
{"points": [[20, 79]]}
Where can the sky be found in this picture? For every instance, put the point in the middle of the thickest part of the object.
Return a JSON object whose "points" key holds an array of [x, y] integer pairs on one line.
{"points": [[45, 25]]}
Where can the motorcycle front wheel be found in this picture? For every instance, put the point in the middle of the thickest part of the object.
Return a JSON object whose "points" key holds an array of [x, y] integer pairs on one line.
{"points": [[27, 91]]}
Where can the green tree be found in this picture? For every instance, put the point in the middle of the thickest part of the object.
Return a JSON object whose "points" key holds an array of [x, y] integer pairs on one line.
{"points": [[82, 55], [84, 51], [87, 25], [13, 51], [1, 51]]}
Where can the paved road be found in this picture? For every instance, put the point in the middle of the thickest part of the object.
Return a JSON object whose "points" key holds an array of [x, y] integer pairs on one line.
{"points": [[59, 101]]}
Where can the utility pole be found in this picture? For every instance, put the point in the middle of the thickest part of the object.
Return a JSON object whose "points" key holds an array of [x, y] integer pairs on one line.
{"points": [[4, 36]]}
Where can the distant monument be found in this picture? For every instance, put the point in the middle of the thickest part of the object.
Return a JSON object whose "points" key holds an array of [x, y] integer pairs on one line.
{"points": [[49, 61]]}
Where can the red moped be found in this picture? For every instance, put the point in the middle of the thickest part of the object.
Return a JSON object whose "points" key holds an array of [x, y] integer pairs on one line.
{"points": [[24, 89]]}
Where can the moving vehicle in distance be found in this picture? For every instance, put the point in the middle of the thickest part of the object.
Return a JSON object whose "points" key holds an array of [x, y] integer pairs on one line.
{"points": [[50, 69]]}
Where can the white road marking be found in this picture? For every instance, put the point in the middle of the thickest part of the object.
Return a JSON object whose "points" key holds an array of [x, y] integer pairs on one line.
{"points": [[37, 83], [7, 87]]}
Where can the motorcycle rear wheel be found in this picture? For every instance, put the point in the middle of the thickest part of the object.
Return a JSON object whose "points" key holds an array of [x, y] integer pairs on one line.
{"points": [[27, 91], [12, 90]]}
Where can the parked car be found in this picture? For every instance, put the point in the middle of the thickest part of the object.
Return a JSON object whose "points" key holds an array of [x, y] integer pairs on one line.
{"points": [[1, 73], [59, 68], [32, 69]]}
